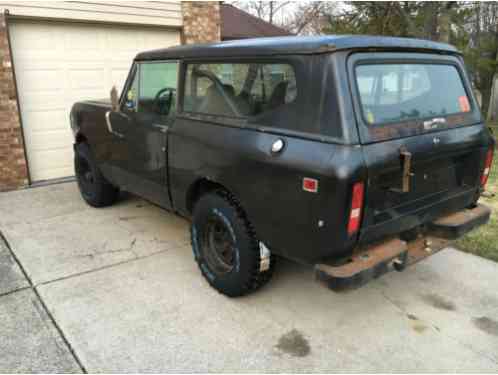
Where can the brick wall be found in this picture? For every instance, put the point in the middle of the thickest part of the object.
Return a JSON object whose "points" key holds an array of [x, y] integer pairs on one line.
{"points": [[201, 21], [13, 167]]}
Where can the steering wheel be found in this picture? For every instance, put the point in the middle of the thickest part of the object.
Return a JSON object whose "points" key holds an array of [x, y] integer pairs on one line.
{"points": [[161, 108]]}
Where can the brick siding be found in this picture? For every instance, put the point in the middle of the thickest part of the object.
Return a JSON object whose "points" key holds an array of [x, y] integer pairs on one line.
{"points": [[13, 166], [201, 21]]}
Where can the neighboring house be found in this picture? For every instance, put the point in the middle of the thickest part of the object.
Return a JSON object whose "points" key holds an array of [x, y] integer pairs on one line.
{"points": [[237, 24]]}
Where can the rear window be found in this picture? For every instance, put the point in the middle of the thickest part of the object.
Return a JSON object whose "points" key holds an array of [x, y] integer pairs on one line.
{"points": [[395, 93]]}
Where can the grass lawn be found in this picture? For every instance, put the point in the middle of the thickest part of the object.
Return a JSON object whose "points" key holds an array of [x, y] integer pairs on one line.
{"points": [[484, 241]]}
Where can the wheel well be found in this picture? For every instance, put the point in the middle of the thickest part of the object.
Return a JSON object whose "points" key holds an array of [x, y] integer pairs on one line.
{"points": [[199, 188]]}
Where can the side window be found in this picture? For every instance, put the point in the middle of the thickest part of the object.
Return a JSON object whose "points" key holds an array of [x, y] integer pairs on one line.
{"points": [[158, 87], [238, 89]]}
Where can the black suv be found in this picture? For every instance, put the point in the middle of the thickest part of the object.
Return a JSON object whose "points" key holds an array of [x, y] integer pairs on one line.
{"points": [[351, 153]]}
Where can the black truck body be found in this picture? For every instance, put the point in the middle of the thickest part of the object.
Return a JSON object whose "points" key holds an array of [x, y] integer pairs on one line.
{"points": [[296, 170]]}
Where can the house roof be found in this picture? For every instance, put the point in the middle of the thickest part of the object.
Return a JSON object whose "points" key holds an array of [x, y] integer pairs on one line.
{"points": [[237, 24], [296, 45]]}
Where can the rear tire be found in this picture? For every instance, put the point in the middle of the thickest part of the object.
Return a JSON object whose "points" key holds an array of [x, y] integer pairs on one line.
{"points": [[225, 246], [94, 188]]}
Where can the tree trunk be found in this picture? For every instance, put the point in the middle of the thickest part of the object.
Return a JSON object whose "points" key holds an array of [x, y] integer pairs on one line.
{"points": [[430, 20], [445, 22], [493, 97], [493, 100], [409, 28]]}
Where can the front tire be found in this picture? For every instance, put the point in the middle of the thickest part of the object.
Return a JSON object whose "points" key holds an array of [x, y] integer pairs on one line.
{"points": [[225, 246], [94, 188]]}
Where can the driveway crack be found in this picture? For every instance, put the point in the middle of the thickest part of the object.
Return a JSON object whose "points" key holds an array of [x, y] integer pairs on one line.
{"points": [[111, 251], [44, 306]]}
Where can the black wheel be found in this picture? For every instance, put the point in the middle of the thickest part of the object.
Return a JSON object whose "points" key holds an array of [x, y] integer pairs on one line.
{"points": [[226, 248], [94, 188]]}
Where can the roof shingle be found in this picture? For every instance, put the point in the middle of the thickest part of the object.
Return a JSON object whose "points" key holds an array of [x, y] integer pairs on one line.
{"points": [[237, 24]]}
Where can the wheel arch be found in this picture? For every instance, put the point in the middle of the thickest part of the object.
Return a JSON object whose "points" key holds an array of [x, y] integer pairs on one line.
{"points": [[205, 185], [198, 188]]}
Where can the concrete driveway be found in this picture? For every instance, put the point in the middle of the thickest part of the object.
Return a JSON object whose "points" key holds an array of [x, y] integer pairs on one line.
{"points": [[117, 290]]}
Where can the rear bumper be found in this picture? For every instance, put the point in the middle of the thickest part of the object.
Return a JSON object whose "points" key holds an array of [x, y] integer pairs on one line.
{"points": [[459, 223], [418, 214], [374, 260]]}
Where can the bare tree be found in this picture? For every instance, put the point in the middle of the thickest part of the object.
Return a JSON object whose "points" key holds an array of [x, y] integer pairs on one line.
{"points": [[445, 21], [309, 17], [430, 10], [266, 10], [299, 17], [491, 22]]}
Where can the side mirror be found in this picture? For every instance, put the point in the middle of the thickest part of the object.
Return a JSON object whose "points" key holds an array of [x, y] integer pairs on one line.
{"points": [[114, 99]]}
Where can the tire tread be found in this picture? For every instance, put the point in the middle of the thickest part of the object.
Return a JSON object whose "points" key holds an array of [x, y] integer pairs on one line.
{"points": [[105, 194], [257, 279]]}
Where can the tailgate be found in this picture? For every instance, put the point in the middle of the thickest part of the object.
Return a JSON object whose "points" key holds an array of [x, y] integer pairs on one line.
{"points": [[444, 177], [423, 140]]}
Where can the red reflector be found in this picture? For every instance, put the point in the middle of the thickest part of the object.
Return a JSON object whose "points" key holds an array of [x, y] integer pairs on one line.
{"points": [[356, 207], [487, 167], [310, 184]]}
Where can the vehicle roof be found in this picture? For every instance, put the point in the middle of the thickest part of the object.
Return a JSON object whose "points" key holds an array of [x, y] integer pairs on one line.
{"points": [[287, 45]]}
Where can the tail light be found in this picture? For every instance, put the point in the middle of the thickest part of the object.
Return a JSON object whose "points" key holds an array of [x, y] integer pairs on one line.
{"points": [[356, 208], [487, 167]]}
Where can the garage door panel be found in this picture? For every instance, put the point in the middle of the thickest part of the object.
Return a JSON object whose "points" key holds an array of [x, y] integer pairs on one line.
{"points": [[96, 64], [52, 173], [86, 78], [58, 64], [40, 79], [39, 101], [85, 94], [34, 60], [83, 39], [57, 100], [44, 167], [126, 41], [47, 159], [43, 121], [35, 37], [153, 40], [54, 139]]}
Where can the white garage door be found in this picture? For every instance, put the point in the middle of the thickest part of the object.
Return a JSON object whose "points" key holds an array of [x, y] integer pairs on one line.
{"points": [[57, 64]]}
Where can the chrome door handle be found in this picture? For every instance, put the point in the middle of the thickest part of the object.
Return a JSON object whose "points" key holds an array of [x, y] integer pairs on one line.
{"points": [[433, 123], [109, 125]]}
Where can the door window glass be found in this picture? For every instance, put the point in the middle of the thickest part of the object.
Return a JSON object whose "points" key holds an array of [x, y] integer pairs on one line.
{"points": [[158, 84], [239, 89]]}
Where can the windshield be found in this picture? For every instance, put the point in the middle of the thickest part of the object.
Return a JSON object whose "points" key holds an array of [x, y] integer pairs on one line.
{"points": [[394, 93]]}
